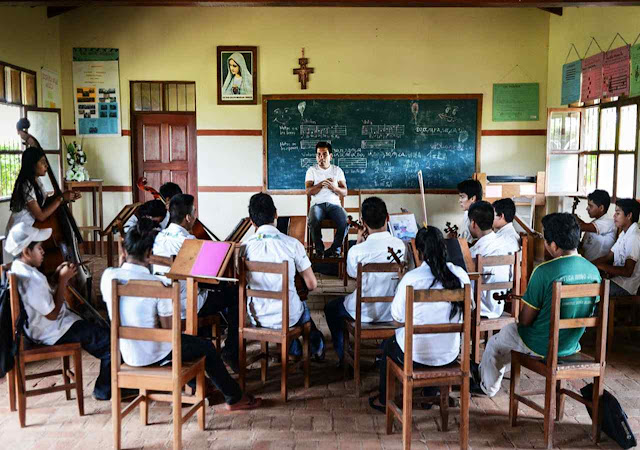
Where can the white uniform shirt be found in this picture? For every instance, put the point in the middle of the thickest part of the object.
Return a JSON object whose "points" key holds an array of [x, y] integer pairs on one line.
{"points": [[598, 244], [628, 247], [270, 245], [37, 297], [133, 220], [464, 230], [374, 250], [24, 215], [492, 245], [137, 312], [509, 234], [316, 174], [429, 349], [168, 243]]}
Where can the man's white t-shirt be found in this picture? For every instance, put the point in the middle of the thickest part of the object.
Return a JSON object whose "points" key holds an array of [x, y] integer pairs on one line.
{"points": [[268, 244], [316, 174], [37, 297], [137, 312], [509, 233], [464, 230], [628, 247], [491, 245], [598, 244], [374, 250]]}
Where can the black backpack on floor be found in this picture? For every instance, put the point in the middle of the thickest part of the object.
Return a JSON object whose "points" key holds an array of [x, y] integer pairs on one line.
{"points": [[614, 419], [9, 343]]}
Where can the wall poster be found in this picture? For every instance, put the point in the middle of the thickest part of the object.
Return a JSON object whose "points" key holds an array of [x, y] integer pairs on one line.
{"points": [[615, 72], [592, 77], [516, 102], [50, 89]]}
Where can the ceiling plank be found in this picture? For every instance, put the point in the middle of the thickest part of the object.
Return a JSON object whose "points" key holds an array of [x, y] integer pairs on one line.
{"points": [[53, 11], [556, 11]]}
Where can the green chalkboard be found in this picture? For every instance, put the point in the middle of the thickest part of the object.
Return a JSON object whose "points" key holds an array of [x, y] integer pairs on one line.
{"points": [[379, 141]]}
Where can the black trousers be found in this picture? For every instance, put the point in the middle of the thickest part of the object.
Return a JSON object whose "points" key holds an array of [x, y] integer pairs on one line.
{"points": [[193, 348], [223, 299], [96, 341], [392, 349]]}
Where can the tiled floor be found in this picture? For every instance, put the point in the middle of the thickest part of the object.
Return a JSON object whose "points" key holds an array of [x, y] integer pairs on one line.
{"points": [[328, 415]]}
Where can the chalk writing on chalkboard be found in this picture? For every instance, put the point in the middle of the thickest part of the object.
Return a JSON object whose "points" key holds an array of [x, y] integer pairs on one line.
{"points": [[379, 142]]}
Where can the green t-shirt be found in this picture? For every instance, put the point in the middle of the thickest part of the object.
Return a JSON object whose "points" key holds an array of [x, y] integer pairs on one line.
{"points": [[572, 269]]}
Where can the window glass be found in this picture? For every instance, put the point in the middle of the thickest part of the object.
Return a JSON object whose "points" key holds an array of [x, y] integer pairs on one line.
{"points": [[628, 125], [624, 188], [605, 172], [590, 129], [564, 131], [608, 128]]}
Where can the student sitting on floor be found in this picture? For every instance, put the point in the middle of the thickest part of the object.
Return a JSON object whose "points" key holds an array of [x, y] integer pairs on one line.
{"points": [[270, 245], [428, 349], [531, 334], [49, 320], [168, 243], [156, 313], [621, 263], [505, 211], [489, 244], [374, 250], [469, 192], [600, 234], [154, 210]]}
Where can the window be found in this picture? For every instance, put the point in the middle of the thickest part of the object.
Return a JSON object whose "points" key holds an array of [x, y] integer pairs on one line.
{"points": [[595, 147], [163, 96]]}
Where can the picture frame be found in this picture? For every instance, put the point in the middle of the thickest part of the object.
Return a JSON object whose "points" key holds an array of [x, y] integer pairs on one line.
{"points": [[237, 80]]}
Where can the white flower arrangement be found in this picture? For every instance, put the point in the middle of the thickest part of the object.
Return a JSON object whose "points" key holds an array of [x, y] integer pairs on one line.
{"points": [[76, 158]]}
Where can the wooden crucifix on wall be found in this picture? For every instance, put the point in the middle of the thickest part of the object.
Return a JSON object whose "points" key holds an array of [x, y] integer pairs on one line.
{"points": [[303, 72]]}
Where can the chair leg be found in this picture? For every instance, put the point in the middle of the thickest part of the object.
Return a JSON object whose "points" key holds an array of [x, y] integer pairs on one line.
{"points": [[444, 407], [559, 401], [475, 345], [11, 385], [464, 414], [407, 412], [144, 407], [391, 393], [514, 385], [65, 376], [549, 407], [200, 391], [264, 362], [598, 390], [116, 415], [356, 364], [284, 369], [21, 383], [306, 353], [610, 325], [242, 361], [77, 367], [177, 418]]}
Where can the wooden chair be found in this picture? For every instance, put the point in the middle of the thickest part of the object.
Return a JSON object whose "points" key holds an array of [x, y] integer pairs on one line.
{"points": [[366, 331], [282, 337], [27, 353], [626, 300], [341, 259], [456, 373], [154, 381], [573, 367], [481, 325], [213, 321]]}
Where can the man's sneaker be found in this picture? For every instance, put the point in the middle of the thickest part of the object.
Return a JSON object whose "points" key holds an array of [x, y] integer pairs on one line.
{"points": [[320, 253], [331, 253]]}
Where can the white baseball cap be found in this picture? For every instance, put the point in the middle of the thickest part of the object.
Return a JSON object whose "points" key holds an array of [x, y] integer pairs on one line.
{"points": [[21, 235]]}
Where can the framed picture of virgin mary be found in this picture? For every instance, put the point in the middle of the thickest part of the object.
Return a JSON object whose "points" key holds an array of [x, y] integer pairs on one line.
{"points": [[237, 75]]}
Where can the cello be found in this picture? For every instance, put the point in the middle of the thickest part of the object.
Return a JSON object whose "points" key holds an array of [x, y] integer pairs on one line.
{"points": [[199, 230]]}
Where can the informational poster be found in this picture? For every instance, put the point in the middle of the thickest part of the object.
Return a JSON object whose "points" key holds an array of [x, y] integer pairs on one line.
{"points": [[96, 89], [516, 102], [615, 72], [592, 77], [571, 73], [635, 71], [50, 82]]}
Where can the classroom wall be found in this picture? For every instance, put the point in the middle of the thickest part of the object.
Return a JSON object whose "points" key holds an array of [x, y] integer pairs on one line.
{"points": [[28, 39]]}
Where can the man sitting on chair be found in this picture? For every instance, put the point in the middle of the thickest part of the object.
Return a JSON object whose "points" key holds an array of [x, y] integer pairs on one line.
{"points": [[325, 183]]}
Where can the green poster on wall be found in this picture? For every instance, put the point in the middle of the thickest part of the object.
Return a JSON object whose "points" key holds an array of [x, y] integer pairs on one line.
{"points": [[635, 71], [516, 102]]}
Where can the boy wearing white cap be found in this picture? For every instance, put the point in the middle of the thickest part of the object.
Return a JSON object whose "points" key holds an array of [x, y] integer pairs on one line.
{"points": [[50, 322]]}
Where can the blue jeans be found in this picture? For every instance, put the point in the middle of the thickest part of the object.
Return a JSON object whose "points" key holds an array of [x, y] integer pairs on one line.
{"points": [[320, 212], [316, 338], [96, 341], [335, 312]]}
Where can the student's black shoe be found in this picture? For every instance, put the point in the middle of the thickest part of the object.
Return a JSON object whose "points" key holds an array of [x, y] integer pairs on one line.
{"points": [[331, 253], [318, 357], [475, 389], [475, 372], [126, 395], [372, 403], [319, 253]]}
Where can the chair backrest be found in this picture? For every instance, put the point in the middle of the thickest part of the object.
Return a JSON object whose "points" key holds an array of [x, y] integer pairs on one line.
{"points": [[282, 295], [514, 261], [560, 292], [371, 268], [161, 260], [437, 295], [350, 210], [146, 290]]}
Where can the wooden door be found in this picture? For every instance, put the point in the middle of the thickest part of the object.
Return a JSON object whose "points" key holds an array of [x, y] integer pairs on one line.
{"points": [[164, 149]]}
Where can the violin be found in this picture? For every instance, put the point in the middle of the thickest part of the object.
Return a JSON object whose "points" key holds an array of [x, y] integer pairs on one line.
{"points": [[507, 296], [396, 258], [451, 229], [198, 230], [576, 201], [358, 225]]}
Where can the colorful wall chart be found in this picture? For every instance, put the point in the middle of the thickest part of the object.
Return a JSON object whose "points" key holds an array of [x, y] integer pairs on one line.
{"points": [[516, 102], [615, 72], [571, 73], [592, 77], [96, 87]]}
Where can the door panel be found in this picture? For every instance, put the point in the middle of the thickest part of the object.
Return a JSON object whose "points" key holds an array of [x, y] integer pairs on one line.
{"points": [[181, 179], [178, 143], [152, 143]]}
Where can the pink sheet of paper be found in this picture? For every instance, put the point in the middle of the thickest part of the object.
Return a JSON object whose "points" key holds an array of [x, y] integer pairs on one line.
{"points": [[615, 72], [592, 77], [210, 259]]}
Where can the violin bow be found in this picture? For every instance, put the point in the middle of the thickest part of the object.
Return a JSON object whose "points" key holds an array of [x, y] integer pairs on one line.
{"points": [[424, 202]]}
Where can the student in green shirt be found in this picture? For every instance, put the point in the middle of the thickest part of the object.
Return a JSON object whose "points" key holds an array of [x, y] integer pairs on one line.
{"points": [[531, 334]]}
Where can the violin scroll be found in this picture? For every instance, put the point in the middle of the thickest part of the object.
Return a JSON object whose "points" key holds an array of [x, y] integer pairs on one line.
{"points": [[451, 230]]}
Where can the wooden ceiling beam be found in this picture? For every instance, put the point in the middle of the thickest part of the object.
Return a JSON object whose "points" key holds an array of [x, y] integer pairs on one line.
{"points": [[556, 11], [53, 11]]}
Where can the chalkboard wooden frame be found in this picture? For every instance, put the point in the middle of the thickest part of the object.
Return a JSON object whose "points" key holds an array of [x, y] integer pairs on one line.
{"points": [[267, 98]]}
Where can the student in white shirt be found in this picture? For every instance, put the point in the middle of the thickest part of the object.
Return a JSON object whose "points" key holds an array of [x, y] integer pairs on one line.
{"points": [[488, 244], [621, 263], [154, 210], [157, 313], [600, 234], [373, 250], [268, 244], [469, 192], [325, 183], [505, 211], [428, 349], [223, 298], [50, 322]]}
